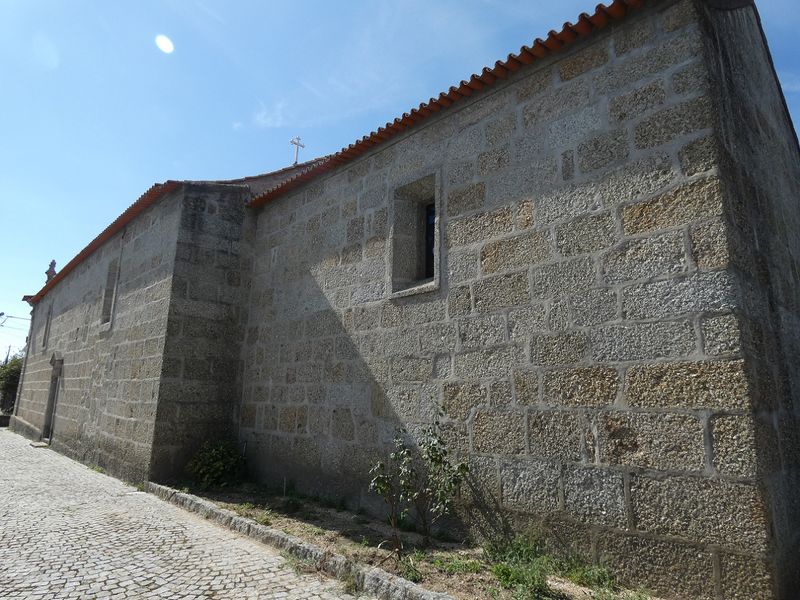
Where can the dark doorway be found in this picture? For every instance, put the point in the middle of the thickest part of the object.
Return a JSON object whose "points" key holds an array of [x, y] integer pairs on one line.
{"points": [[52, 397]]}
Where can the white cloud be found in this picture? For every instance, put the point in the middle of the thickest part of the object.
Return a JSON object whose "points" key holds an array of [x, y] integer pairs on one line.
{"points": [[272, 116], [236, 125]]}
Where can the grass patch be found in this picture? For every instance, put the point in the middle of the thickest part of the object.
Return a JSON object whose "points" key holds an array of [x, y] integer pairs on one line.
{"points": [[455, 565], [524, 565], [299, 565]]}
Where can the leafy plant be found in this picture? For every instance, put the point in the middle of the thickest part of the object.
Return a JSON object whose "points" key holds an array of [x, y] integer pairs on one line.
{"points": [[429, 484], [456, 565], [435, 492], [390, 481], [409, 570], [216, 464]]}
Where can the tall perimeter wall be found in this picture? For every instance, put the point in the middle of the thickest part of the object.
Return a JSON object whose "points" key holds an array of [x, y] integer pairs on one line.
{"points": [[107, 393], [140, 357], [583, 333]]}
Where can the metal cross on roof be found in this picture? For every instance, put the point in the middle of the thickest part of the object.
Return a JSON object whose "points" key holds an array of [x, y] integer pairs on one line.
{"points": [[297, 145]]}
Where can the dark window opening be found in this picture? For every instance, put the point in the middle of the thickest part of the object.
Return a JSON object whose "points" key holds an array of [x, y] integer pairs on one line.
{"points": [[414, 235], [430, 228]]}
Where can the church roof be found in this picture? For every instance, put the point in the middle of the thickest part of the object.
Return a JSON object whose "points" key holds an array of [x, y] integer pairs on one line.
{"points": [[269, 186], [583, 27]]}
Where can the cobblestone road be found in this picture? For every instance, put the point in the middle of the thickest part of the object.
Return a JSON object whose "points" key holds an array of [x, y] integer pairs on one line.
{"points": [[68, 532]]}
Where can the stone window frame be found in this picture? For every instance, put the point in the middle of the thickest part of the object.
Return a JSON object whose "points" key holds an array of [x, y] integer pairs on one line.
{"points": [[415, 194], [109, 300], [47, 325]]}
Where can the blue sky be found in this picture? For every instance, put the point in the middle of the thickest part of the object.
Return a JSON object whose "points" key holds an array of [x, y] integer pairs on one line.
{"points": [[92, 112]]}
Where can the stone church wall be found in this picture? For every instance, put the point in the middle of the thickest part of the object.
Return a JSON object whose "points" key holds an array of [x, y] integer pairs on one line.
{"points": [[758, 154], [582, 338], [105, 406], [200, 387]]}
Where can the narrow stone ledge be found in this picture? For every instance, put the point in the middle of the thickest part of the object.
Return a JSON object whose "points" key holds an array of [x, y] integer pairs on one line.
{"points": [[371, 580]]}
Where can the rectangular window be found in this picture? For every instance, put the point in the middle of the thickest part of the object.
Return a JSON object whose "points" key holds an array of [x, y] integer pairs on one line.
{"points": [[110, 292], [415, 244], [46, 335]]}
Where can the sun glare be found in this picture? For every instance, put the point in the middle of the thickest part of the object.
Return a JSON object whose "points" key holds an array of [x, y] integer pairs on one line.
{"points": [[164, 44]]}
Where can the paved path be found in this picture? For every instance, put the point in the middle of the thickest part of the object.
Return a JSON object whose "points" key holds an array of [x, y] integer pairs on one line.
{"points": [[69, 532]]}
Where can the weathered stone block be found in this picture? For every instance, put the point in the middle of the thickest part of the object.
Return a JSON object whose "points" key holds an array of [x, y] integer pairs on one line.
{"points": [[586, 386], [678, 16], [459, 302], [745, 577], [634, 36], [342, 425], [699, 156], [534, 84], [491, 362], [462, 266], [594, 306], [501, 291], [734, 445], [525, 216], [569, 276], [411, 369], [710, 245], [524, 321], [530, 486], [558, 349], [594, 495], [670, 123], [654, 60], [560, 435], [691, 202], [515, 252], [701, 510], [458, 399], [495, 432], [721, 335], [466, 199], [645, 258], [493, 160], [476, 228], [483, 331], [583, 61], [691, 79], [586, 234], [638, 102], [637, 341], [602, 150], [702, 292], [668, 568], [660, 441], [715, 385], [437, 338], [526, 387], [561, 101]]}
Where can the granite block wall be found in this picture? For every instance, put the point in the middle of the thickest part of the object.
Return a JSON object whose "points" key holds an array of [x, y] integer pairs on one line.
{"points": [[111, 345], [758, 156], [199, 388], [582, 342]]}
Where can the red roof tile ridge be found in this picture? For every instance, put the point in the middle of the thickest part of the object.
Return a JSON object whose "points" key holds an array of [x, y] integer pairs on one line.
{"points": [[150, 197], [584, 26]]}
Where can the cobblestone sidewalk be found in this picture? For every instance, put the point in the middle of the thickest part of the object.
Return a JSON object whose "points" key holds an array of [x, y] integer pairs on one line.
{"points": [[68, 532]]}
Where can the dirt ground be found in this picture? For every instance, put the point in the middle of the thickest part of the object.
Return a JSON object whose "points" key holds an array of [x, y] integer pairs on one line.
{"points": [[455, 568]]}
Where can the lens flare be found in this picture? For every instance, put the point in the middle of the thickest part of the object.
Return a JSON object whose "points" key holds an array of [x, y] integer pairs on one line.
{"points": [[164, 44]]}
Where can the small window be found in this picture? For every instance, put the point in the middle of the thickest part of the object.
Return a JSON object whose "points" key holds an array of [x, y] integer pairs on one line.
{"points": [[46, 335], [110, 292], [415, 236]]}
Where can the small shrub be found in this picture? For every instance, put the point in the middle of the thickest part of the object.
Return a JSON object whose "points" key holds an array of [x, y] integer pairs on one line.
{"points": [[409, 570], [216, 464]]}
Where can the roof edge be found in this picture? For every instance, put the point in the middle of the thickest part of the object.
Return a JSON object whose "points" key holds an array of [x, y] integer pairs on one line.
{"points": [[583, 28], [155, 193]]}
